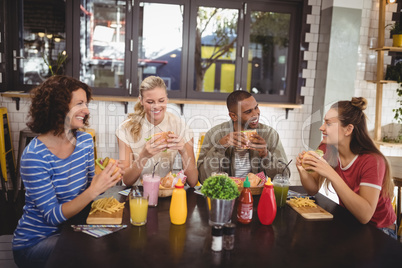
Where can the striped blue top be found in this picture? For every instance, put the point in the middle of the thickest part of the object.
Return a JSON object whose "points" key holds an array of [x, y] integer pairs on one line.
{"points": [[50, 182]]}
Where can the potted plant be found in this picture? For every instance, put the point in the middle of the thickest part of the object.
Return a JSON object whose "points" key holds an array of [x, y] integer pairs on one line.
{"points": [[396, 33], [221, 193]]}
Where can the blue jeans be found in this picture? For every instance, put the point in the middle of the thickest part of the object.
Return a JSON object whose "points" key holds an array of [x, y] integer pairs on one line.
{"points": [[390, 232], [37, 255]]}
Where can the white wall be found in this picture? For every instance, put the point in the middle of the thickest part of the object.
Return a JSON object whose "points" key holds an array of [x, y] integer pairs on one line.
{"points": [[294, 131]]}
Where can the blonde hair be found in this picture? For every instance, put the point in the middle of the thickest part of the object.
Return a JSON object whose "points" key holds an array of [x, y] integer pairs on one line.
{"points": [[351, 112], [135, 122]]}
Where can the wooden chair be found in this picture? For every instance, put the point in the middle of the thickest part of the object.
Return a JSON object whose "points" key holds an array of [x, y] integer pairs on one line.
{"points": [[199, 145], [26, 135]]}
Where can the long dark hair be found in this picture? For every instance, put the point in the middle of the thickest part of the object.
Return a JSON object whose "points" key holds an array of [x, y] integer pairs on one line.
{"points": [[351, 112]]}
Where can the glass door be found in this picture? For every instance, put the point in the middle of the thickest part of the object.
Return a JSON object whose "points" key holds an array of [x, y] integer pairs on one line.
{"points": [[103, 50], [41, 48]]}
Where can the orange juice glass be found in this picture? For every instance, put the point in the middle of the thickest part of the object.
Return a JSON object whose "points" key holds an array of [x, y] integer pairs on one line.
{"points": [[138, 210]]}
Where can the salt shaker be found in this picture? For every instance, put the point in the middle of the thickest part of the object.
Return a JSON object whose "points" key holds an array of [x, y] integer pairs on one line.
{"points": [[217, 232], [228, 236]]}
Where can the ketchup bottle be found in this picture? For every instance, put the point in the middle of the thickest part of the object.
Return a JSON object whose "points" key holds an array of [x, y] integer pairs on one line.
{"points": [[267, 205], [245, 205]]}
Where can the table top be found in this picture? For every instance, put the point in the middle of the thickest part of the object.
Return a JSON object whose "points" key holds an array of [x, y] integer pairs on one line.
{"points": [[291, 241]]}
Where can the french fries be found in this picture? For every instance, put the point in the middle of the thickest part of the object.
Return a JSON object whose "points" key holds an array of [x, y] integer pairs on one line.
{"points": [[302, 202], [106, 204]]}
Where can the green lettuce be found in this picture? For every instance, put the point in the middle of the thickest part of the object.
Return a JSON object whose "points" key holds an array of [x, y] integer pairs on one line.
{"points": [[220, 187]]}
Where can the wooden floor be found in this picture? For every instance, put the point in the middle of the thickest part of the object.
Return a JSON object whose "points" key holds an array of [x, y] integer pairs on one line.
{"points": [[10, 213]]}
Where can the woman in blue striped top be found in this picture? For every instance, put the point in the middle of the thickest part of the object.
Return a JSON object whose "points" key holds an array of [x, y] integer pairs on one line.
{"points": [[57, 168]]}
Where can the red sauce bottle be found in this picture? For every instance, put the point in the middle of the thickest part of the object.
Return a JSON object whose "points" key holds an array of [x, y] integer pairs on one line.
{"points": [[267, 205], [245, 205]]}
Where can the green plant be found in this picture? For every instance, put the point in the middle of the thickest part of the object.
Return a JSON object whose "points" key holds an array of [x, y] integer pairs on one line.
{"points": [[398, 111], [395, 28], [220, 187], [394, 72], [58, 64]]}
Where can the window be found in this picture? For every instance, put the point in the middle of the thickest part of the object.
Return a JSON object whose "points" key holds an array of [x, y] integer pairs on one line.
{"points": [[102, 43], [160, 44], [203, 49], [40, 52]]}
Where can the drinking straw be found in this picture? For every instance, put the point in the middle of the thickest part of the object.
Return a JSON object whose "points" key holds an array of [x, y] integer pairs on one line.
{"points": [[153, 171], [286, 166]]}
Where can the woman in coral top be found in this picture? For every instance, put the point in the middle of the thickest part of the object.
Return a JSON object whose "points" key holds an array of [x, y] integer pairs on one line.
{"points": [[352, 164]]}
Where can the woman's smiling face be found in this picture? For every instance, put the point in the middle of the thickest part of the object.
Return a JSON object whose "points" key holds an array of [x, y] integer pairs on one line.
{"points": [[154, 102], [332, 131], [78, 109]]}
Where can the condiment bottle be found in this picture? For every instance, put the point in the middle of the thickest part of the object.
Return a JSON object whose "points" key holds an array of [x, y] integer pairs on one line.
{"points": [[178, 204], [245, 205], [217, 232], [228, 236], [267, 205]]}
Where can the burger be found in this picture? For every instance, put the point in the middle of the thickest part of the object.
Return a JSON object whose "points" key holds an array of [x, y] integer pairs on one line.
{"points": [[163, 136], [253, 179], [167, 181], [100, 165], [248, 134], [170, 180], [305, 156]]}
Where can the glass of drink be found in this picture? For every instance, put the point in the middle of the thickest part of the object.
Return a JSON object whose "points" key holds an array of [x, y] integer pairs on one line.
{"points": [[138, 209], [151, 188], [281, 187]]}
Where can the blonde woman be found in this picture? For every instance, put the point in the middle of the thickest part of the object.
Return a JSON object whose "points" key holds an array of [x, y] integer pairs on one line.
{"points": [[139, 150], [361, 174]]}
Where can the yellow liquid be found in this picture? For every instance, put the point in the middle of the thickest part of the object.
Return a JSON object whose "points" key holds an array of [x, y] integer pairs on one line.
{"points": [[138, 211]]}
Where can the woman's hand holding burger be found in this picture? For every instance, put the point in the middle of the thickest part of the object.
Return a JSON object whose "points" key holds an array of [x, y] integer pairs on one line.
{"points": [[174, 142], [313, 161], [154, 145], [111, 174]]}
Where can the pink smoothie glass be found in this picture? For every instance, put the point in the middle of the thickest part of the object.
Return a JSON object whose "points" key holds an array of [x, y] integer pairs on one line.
{"points": [[151, 188]]}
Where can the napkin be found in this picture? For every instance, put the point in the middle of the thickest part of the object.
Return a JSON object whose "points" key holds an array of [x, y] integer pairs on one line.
{"points": [[98, 230]]}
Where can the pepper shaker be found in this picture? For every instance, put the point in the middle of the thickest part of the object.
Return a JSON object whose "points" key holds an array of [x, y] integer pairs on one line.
{"points": [[228, 236]]}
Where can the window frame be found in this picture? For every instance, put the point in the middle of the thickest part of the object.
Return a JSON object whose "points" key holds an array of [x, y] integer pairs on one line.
{"points": [[298, 28], [191, 93], [294, 41], [181, 93]]}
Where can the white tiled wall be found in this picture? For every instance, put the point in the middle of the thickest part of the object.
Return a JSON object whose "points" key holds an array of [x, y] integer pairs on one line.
{"points": [[294, 131]]}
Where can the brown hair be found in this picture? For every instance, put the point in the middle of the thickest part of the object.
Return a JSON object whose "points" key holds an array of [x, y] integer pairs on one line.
{"points": [[351, 112], [134, 124], [235, 97], [50, 104]]}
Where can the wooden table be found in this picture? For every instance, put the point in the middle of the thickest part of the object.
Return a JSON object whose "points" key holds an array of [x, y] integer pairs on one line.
{"points": [[396, 167], [291, 241]]}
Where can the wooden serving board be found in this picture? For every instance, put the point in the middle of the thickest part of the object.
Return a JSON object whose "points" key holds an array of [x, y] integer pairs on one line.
{"points": [[100, 217], [311, 213]]}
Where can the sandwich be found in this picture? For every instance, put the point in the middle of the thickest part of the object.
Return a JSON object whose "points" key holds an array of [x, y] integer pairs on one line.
{"points": [[163, 136], [170, 180], [100, 165], [167, 181], [253, 179], [306, 166], [248, 134]]}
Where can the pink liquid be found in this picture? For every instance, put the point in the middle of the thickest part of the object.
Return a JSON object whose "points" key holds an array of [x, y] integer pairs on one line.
{"points": [[151, 188]]}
